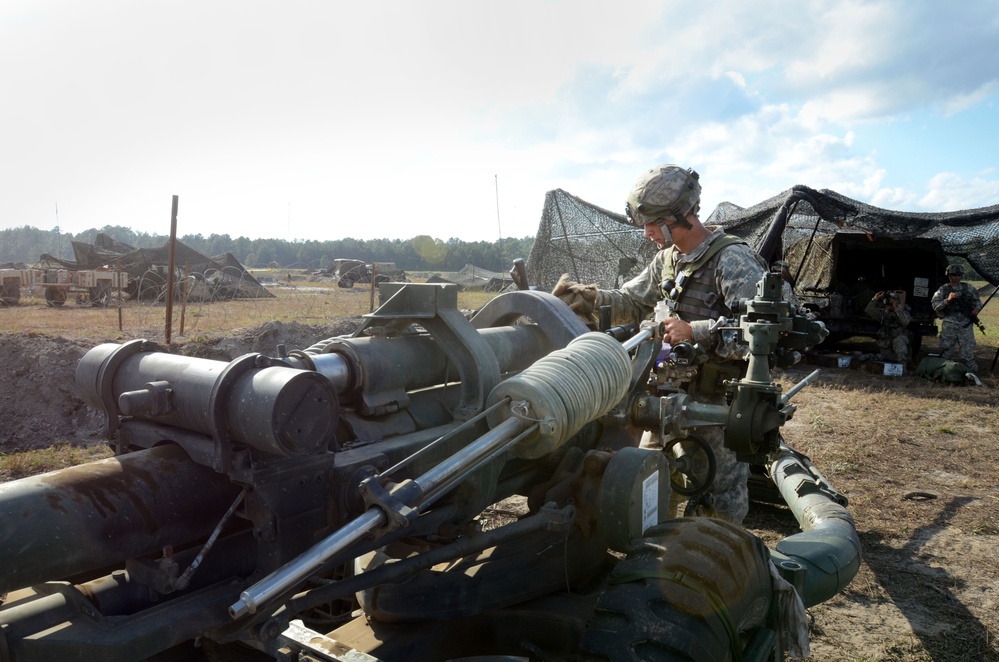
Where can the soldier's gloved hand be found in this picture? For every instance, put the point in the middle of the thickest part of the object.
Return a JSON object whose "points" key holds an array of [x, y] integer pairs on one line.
{"points": [[581, 299]]}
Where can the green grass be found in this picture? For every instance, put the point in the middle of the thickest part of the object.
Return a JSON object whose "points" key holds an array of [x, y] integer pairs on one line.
{"points": [[31, 462]]}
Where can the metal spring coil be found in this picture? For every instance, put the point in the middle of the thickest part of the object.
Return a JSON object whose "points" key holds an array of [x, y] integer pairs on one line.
{"points": [[564, 391]]}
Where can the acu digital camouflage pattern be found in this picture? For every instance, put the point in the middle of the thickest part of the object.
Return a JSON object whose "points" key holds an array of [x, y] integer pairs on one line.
{"points": [[957, 332], [664, 192], [893, 336], [736, 274], [738, 271]]}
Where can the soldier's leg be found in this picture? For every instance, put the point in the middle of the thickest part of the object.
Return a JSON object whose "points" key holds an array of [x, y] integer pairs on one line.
{"points": [[948, 339], [966, 338], [884, 348], [900, 346], [730, 493]]}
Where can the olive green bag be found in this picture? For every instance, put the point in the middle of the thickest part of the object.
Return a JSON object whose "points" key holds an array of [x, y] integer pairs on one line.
{"points": [[940, 369]]}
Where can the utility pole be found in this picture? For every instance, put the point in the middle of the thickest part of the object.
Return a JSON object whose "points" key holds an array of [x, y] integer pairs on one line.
{"points": [[170, 277], [499, 228]]}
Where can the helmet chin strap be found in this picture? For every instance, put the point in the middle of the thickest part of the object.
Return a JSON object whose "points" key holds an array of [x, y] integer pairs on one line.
{"points": [[667, 228]]}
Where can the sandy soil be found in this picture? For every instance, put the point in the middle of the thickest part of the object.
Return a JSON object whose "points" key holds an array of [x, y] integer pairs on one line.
{"points": [[929, 585]]}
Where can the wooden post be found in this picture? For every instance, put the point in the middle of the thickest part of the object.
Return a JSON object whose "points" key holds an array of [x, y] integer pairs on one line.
{"points": [[183, 297], [172, 253], [117, 267], [374, 277]]}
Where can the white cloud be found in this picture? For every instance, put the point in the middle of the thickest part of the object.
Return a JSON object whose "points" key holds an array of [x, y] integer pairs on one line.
{"points": [[949, 191], [403, 113]]}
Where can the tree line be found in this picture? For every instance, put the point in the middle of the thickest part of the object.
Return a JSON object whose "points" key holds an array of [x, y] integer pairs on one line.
{"points": [[422, 253]]}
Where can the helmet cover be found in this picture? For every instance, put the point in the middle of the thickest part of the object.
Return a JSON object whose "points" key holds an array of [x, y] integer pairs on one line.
{"points": [[662, 193]]}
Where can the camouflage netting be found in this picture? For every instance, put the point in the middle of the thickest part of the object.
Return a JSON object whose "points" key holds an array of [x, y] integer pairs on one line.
{"points": [[971, 234], [587, 242], [471, 277], [594, 245], [219, 278]]}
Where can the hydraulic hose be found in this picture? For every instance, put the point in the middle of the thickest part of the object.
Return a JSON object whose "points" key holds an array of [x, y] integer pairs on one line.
{"points": [[822, 559]]}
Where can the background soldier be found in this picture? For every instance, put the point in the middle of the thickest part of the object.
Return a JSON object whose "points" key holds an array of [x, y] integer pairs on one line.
{"points": [[716, 271], [957, 304], [894, 316]]}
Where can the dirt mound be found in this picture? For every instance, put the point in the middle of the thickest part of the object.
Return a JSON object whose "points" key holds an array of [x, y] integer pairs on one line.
{"points": [[39, 404]]}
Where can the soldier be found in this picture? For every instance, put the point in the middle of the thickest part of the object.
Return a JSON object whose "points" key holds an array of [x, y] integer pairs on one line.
{"points": [[957, 303], [894, 316], [711, 271]]}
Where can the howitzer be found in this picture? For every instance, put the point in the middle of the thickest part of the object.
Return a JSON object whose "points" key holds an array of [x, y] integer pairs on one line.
{"points": [[327, 503]]}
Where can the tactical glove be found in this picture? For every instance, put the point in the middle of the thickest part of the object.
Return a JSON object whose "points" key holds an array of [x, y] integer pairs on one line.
{"points": [[581, 299]]}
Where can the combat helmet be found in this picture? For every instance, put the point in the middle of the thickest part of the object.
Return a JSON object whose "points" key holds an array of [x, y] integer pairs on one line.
{"points": [[954, 269], [663, 193]]}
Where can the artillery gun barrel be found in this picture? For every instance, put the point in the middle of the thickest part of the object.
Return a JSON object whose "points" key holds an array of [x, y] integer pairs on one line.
{"points": [[84, 518]]}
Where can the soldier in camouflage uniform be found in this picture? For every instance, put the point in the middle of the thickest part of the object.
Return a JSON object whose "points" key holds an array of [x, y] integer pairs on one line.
{"points": [[717, 270], [955, 303], [893, 334]]}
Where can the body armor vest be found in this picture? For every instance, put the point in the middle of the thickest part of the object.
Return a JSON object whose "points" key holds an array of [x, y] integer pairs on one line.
{"points": [[696, 298]]}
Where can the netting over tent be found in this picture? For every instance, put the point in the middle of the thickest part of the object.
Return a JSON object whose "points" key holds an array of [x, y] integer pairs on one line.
{"points": [[587, 242], [801, 213], [594, 245], [219, 278], [471, 277]]}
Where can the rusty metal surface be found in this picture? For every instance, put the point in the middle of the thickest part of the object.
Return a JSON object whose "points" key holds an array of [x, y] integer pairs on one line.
{"points": [[74, 520]]}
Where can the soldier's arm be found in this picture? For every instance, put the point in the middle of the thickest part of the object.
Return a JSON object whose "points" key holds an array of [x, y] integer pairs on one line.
{"points": [[871, 309], [904, 315], [939, 301], [739, 270], [976, 301], [637, 298]]}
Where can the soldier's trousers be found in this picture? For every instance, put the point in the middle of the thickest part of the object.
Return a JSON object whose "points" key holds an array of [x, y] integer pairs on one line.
{"points": [[957, 343], [729, 494]]}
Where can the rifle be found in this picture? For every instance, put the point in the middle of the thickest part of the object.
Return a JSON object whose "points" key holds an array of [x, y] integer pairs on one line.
{"points": [[973, 317]]}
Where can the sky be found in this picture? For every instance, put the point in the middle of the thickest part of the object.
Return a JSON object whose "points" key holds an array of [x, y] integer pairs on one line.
{"points": [[308, 120]]}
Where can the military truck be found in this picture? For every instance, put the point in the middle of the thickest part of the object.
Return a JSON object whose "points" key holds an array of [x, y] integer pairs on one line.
{"points": [[11, 281], [94, 287], [348, 272]]}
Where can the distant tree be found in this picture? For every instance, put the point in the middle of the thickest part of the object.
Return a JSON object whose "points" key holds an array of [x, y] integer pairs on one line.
{"points": [[422, 253], [432, 251]]}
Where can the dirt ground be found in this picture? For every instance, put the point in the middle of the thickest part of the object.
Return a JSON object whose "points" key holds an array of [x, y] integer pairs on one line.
{"points": [[914, 458]]}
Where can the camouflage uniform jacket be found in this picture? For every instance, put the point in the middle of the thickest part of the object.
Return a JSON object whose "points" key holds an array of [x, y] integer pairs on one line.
{"points": [[891, 320], [956, 312], [736, 271]]}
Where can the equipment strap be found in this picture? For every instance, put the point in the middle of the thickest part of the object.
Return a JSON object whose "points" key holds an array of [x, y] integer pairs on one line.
{"points": [[682, 279]]}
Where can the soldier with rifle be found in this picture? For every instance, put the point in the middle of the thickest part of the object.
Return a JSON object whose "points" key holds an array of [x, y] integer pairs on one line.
{"points": [[957, 304]]}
